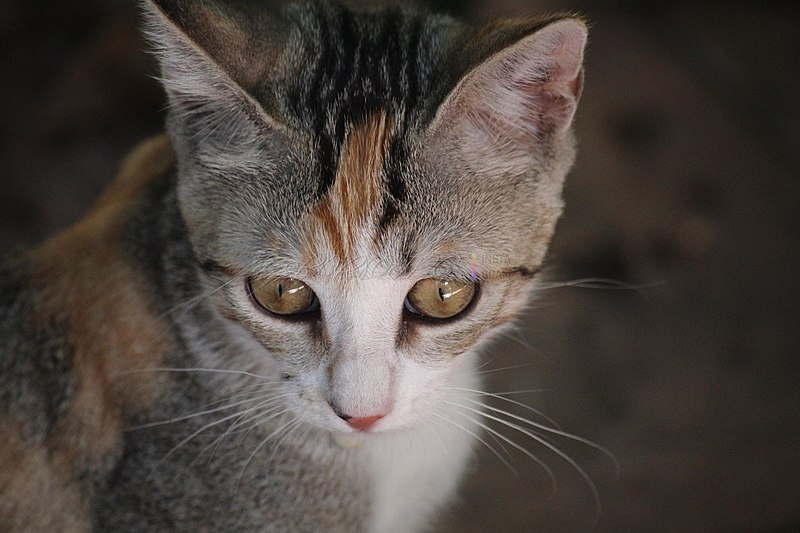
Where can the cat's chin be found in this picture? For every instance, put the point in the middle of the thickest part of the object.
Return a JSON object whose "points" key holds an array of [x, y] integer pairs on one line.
{"points": [[347, 440], [350, 439]]}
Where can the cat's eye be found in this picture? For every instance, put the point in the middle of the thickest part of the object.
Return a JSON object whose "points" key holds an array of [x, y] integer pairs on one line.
{"points": [[283, 296], [437, 298]]}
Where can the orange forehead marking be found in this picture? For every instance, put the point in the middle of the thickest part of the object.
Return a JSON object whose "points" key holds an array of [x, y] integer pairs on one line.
{"points": [[325, 216], [357, 184]]}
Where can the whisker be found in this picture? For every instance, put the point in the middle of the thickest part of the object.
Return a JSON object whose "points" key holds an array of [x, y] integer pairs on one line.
{"points": [[210, 370], [188, 304], [431, 422], [505, 368], [501, 396], [285, 436], [502, 446], [485, 364], [285, 426], [202, 429], [515, 335], [259, 419], [249, 391], [187, 417], [598, 283], [560, 432], [270, 408], [521, 391], [528, 453], [553, 448], [478, 437]]}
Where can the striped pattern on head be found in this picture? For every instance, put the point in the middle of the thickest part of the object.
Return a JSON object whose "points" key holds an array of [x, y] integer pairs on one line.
{"points": [[353, 197]]}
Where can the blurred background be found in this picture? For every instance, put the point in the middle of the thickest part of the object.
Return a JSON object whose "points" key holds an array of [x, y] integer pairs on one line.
{"points": [[685, 192]]}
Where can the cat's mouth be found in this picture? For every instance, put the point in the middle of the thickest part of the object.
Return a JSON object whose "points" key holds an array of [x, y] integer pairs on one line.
{"points": [[347, 440]]}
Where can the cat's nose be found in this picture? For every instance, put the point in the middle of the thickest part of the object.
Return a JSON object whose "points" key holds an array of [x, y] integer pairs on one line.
{"points": [[361, 423]]}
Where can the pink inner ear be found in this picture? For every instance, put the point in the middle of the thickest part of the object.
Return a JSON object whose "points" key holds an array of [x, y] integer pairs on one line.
{"points": [[576, 86], [566, 57], [532, 86], [522, 95], [550, 62]]}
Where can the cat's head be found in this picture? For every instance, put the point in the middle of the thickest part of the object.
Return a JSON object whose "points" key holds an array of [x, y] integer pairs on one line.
{"points": [[376, 190]]}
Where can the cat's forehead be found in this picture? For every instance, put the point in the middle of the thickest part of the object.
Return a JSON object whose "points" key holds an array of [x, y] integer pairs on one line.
{"points": [[388, 213], [357, 89], [338, 65], [357, 192], [339, 68]]}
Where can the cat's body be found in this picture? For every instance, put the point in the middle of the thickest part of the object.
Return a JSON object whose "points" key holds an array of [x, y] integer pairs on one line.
{"points": [[145, 386]]}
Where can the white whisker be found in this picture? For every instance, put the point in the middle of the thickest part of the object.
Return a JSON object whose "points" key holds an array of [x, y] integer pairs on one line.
{"points": [[598, 283], [202, 429], [289, 431], [515, 334], [282, 428], [188, 304], [478, 438], [258, 419], [249, 391], [193, 415], [528, 453], [501, 396], [554, 431], [270, 408], [505, 368], [210, 370], [433, 424], [550, 446], [484, 365]]}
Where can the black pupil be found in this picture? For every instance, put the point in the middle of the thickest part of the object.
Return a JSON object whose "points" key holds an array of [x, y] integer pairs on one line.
{"points": [[280, 290], [441, 294]]}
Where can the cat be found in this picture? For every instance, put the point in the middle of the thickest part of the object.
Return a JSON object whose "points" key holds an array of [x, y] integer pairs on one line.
{"points": [[271, 319]]}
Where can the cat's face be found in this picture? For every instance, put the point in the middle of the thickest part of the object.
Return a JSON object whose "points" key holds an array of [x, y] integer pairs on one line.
{"points": [[366, 320], [372, 212]]}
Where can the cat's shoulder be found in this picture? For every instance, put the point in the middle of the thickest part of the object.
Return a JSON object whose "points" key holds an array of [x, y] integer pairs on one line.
{"points": [[37, 490], [77, 315], [44, 291]]}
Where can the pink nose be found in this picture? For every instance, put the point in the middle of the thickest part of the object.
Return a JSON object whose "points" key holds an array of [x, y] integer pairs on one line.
{"points": [[364, 423]]}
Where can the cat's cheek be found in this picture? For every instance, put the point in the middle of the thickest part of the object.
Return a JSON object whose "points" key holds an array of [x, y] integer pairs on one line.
{"points": [[314, 412], [306, 396]]}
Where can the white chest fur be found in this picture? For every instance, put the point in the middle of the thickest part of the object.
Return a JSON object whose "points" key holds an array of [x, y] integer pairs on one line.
{"points": [[414, 472]]}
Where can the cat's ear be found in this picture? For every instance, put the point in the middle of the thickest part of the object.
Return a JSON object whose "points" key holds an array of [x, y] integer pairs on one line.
{"points": [[521, 96], [209, 68]]}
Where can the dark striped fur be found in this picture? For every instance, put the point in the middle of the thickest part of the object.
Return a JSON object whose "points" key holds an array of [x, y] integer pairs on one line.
{"points": [[356, 66]]}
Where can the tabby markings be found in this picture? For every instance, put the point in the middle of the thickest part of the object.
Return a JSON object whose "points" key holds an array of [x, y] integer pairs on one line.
{"points": [[357, 185]]}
